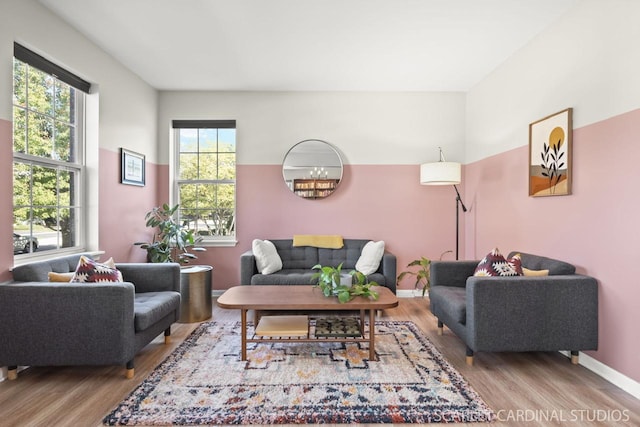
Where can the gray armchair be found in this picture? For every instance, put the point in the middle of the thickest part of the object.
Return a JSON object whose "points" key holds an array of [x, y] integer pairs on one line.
{"points": [[54, 324], [523, 313]]}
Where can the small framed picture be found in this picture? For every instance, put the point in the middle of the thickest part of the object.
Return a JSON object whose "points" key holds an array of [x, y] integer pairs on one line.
{"points": [[550, 149], [132, 167]]}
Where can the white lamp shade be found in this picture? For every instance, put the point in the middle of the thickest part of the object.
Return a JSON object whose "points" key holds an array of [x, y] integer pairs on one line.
{"points": [[440, 173]]}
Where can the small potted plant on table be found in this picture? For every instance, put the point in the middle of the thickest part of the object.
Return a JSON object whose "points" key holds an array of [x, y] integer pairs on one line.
{"points": [[332, 281]]}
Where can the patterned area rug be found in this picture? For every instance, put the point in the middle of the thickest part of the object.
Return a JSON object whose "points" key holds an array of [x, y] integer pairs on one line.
{"points": [[203, 382]]}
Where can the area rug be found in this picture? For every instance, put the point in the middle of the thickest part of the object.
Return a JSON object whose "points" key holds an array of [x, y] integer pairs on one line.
{"points": [[204, 382]]}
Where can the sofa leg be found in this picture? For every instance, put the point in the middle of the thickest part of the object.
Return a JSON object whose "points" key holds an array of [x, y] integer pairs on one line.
{"points": [[469, 357], [575, 358], [130, 369], [440, 327], [167, 335], [12, 373]]}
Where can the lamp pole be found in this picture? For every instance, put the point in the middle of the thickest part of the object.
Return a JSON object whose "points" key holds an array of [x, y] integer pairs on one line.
{"points": [[464, 209], [445, 173]]}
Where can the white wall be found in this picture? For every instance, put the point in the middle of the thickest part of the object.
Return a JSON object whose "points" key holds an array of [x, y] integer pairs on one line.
{"points": [[121, 112], [588, 60], [368, 128], [128, 106]]}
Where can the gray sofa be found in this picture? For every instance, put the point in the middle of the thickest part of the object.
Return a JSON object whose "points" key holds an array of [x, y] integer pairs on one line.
{"points": [[523, 313], [55, 324], [298, 261]]}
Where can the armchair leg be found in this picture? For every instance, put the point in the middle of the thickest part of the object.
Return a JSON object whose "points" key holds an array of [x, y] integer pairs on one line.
{"points": [[130, 369], [12, 373], [469, 357], [575, 356], [440, 327], [167, 335]]}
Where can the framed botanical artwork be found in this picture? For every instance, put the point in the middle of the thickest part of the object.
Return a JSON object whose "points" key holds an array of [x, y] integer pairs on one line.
{"points": [[550, 147], [132, 167]]}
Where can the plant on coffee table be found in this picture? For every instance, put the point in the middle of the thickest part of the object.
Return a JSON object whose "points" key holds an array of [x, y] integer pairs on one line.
{"points": [[329, 282]]}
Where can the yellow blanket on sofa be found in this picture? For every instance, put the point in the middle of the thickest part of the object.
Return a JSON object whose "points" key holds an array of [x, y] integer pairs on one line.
{"points": [[318, 241]]}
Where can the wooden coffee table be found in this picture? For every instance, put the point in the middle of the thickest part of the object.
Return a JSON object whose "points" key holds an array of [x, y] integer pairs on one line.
{"points": [[305, 299]]}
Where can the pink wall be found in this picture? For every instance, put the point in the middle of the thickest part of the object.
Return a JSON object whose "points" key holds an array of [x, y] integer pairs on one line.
{"points": [[6, 198], [595, 228], [122, 209], [382, 202]]}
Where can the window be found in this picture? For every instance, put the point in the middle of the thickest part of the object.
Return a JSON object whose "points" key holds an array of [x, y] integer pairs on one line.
{"points": [[205, 177], [48, 143]]}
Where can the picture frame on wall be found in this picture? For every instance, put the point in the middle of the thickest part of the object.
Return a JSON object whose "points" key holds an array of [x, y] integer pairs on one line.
{"points": [[132, 168], [550, 148]]}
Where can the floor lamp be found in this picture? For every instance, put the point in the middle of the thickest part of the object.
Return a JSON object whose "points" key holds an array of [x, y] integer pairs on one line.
{"points": [[445, 173]]}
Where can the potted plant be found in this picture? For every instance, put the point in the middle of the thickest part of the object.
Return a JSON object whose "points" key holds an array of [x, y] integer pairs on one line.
{"points": [[422, 274], [330, 281], [170, 241]]}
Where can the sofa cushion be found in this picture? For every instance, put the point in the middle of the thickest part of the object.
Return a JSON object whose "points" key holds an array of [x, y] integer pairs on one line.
{"points": [[296, 257], [91, 271], [285, 277], [369, 260], [555, 267], [378, 278], [267, 259], [348, 255], [451, 300], [38, 271], [495, 264], [150, 307]]}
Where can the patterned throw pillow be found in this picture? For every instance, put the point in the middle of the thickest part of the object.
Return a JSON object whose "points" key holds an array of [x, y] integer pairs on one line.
{"points": [[494, 264], [89, 271]]}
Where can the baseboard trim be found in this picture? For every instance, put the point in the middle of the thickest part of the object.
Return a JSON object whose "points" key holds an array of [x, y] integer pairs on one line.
{"points": [[614, 377], [410, 293]]}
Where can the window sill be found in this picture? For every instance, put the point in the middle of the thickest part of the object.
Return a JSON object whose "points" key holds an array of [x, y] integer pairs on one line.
{"points": [[218, 243]]}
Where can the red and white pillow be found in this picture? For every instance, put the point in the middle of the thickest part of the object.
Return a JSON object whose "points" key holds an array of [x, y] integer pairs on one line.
{"points": [[495, 264], [91, 271]]}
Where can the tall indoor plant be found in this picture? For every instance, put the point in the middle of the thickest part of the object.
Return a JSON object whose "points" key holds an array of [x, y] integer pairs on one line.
{"points": [[171, 242]]}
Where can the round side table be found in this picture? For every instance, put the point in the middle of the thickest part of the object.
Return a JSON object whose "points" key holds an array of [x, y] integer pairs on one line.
{"points": [[195, 293]]}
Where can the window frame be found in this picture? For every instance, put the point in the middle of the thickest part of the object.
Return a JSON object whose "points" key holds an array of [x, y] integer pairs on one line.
{"points": [[76, 165], [176, 127]]}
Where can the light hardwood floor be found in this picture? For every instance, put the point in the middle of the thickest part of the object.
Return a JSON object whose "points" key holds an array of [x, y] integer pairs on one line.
{"points": [[530, 389]]}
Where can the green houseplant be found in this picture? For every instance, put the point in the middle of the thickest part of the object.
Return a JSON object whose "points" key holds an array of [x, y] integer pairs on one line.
{"points": [[171, 242], [329, 281], [422, 274]]}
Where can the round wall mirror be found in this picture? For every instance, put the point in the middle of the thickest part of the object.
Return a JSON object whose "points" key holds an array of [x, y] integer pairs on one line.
{"points": [[312, 169]]}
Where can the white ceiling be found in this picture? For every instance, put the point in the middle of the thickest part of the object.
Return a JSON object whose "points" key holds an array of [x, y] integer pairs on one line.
{"points": [[360, 45]]}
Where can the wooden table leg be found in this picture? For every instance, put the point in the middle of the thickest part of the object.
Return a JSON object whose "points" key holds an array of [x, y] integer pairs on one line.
{"points": [[243, 335], [372, 335]]}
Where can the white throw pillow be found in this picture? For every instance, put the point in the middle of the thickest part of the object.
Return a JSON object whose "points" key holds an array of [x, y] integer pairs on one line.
{"points": [[267, 259], [370, 257]]}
